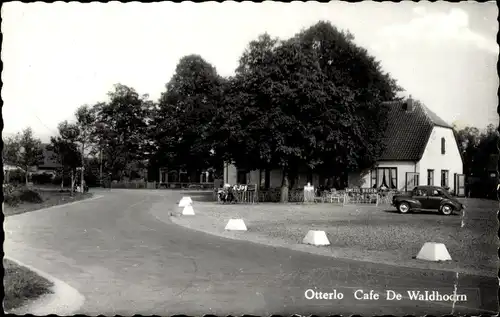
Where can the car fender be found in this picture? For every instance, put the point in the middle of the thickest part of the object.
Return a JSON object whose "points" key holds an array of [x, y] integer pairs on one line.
{"points": [[412, 202], [456, 205]]}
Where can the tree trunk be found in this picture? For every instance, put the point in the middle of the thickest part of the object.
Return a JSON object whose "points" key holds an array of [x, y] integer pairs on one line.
{"points": [[62, 180], [284, 187], [72, 182], [26, 175]]}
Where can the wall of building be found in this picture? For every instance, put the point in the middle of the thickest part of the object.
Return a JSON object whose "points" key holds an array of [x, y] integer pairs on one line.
{"points": [[275, 177], [230, 174], [435, 160], [363, 179]]}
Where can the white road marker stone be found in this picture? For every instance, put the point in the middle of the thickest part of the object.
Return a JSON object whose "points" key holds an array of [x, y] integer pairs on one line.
{"points": [[316, 237], [236, 225], [432, 251], [188, 211], [185, 201]]}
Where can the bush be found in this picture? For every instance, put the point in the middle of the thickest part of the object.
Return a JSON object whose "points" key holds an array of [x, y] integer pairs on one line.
{"points": [[22, 194], [30, 196], [44, 178], [17, 177], [12, 199]]}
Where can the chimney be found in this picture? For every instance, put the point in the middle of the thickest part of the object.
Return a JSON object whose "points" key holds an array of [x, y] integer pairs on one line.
{"points": [[410, 104]]}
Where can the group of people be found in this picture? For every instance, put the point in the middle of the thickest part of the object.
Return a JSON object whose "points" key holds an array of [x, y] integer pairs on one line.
{"points": [[226, 194]]}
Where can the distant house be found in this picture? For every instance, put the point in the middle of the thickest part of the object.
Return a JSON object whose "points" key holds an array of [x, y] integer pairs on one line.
{"points": [[48, 164], [421, 150]]}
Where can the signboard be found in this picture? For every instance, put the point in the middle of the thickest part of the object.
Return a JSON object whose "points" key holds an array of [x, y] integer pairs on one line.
{"points": [[308, 193], [362, 190], [244, 188]]}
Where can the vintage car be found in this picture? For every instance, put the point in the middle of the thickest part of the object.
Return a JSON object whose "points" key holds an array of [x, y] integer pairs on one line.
{"points": [[427, 198]]}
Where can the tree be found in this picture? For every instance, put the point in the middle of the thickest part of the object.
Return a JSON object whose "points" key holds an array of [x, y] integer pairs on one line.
{"points": [[23, 150], [11, 151], [184, 118], [85, 125], [476, 148], [468, 140], [314, 100], [66, 151], [122, 128]]}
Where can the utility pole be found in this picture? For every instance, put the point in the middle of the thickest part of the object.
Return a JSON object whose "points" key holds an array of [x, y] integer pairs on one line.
{"points": [[100, 166]]}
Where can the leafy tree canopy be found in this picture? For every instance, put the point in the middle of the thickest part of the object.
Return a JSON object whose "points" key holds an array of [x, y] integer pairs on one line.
{"points": [[184, 118], [312, 100]]}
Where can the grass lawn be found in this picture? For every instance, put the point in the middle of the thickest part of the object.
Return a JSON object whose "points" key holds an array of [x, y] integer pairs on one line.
{"points": [[51, 197], [22, 285], [375, 234]]}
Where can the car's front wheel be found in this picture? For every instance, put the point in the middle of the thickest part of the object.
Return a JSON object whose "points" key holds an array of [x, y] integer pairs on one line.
{"points": [[404, 207], [446, 209]]}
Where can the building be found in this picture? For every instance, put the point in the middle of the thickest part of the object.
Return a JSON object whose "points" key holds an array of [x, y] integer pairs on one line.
{"points": [[421, 150], [48, 164]]}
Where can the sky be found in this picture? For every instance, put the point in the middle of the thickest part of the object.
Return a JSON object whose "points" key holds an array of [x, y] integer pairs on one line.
{"points": [[59, 56]]}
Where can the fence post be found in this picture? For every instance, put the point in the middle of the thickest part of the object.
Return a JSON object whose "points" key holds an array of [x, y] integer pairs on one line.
{"points": [[376, 205], [345, 197]]}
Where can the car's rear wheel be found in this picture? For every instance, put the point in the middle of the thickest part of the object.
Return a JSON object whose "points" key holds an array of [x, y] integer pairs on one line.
{"points": [[404, 207], [446, 209]]}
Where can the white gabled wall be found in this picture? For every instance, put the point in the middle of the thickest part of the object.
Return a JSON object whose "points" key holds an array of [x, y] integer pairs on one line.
{"points": [[433, 159]]}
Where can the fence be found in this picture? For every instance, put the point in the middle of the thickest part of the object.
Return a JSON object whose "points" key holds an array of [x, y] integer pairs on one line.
{"points": [[244, 194], [202, 186], [274, 195], [369, 196], [350, 196], [157, 185], [133, 185]]}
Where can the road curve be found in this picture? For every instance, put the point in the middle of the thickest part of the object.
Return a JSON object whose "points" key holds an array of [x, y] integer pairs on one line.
{"points": [[125, 261]]}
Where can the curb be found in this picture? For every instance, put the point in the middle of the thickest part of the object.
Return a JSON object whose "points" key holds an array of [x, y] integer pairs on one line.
{"points": [[64, 301], [59, 206]]}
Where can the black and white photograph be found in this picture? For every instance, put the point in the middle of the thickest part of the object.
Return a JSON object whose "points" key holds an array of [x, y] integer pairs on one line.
{"points": [[243, 158]]}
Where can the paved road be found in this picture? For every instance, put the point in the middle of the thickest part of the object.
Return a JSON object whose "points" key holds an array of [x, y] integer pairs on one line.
{"points": [[125, 261]]}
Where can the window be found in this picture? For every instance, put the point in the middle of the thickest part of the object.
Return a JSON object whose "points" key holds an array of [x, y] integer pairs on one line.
{"points": [[412, 180], [262, 178], [384, 177], [444, 178], [437, 193], [443, 146], [419, 192], [430, 177]]}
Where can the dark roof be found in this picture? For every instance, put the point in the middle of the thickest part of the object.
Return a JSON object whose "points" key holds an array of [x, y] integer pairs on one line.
{"points": [[408, 131], [49, 160]]}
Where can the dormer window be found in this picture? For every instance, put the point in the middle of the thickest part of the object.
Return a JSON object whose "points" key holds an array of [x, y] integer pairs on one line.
{"points": [[443, 146]]}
